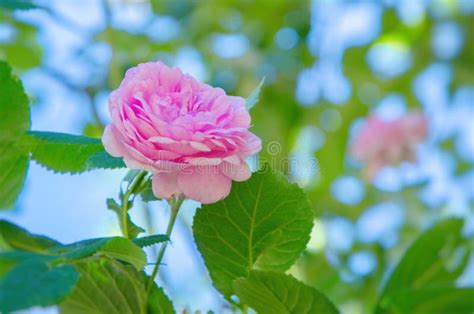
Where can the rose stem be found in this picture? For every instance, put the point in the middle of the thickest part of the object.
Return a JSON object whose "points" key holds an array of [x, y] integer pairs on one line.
{"points": [[175, 205]]}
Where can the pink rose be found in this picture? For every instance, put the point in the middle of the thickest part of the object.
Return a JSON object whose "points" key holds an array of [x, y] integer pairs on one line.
{"points": [[191, 136], [380, 142]]}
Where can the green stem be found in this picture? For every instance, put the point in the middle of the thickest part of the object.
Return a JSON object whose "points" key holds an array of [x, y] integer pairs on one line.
{"points": [[149, 224], [175, 206], [136, 182]]}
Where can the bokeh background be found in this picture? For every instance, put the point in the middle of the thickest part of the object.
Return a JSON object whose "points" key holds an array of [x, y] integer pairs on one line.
{"points": [[327, 66]]}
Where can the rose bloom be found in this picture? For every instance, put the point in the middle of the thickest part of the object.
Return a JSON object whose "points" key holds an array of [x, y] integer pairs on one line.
{"points": [[193, 137], [380, 142]]}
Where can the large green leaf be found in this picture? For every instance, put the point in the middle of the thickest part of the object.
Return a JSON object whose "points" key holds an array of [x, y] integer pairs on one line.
{"points": [[68, 153], [277, 293], [432, 300], [106, 286], [15, 120], [264, 223], [434, 261], [158, 302], [18, 238], [35, 284]]}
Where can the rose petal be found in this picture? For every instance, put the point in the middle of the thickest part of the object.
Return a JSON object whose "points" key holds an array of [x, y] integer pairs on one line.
{"points": [[203, 161], [165, 184], [204, 184], [132, 163], [180, 147], [236, 172], [111, 142]]}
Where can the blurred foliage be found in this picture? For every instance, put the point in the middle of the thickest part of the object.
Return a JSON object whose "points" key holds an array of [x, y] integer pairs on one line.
{"points": [[22, 50], [428, 270], [279, 117]]}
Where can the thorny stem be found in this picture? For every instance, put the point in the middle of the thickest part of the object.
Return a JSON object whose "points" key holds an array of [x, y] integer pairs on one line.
{"points": [[136, 183], [175, 206]]}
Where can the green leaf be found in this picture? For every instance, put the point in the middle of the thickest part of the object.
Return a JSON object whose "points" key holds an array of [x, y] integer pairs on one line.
{"points": [[15, 120], [264, 223], [18, 238], [11, 258], [277, 293], [14, 108], [133, 229], [432, 300], [158, 302], [69, 153], [147, 192], [116, 247], [106, 286], [253, 98], [35, 284], [102, 160], [434, 261], [150, 240], [18, 4], [79, 250], [13, 168], [62, 152], [124, 250]]}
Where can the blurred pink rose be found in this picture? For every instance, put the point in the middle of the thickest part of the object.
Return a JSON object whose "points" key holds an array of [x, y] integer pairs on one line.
{"points": [[191, 136], [381, 142]]}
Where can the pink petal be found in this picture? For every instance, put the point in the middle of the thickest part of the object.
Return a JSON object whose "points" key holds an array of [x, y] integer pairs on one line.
{"points": [[132, 163], [233, 159], [236, 172], [180, 147], [241, 116], [165, 184], [199, 146], [112, 144], [203, 161], [168, 166], [204, 184]]}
